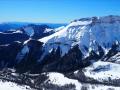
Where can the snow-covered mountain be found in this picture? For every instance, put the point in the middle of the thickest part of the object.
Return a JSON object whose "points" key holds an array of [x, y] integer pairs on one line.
{"points": [[88, 33], [82, 42], [12, 86], [85, 51]]}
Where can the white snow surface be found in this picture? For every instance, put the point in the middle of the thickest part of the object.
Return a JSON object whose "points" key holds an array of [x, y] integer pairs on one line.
{"points": [[60, 80], [25, 42], [115, 58], [18, 31], [29, 31], [59, 28], [48, 30], [12, 86], [101, 71], [99, 87], [103, 31]]}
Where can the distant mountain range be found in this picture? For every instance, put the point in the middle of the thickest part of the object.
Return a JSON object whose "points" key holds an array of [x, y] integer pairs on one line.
{"points": [[15, 25]]}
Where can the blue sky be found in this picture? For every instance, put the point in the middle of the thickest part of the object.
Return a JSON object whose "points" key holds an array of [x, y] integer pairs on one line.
{"points": [[55, 11]]}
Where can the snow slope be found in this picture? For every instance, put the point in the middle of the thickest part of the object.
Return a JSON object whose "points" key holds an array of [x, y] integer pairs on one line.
{"points": [[102, 71], [115, 58], [86, 32], [12, 86], [60, 80]]}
